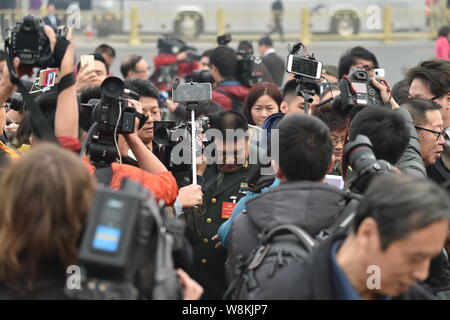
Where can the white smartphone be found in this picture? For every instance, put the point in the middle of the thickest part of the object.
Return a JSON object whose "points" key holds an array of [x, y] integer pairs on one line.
{"points": [[304, 67], [87, 60]]}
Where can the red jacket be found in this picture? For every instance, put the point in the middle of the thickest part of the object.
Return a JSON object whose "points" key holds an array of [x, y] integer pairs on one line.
{"points": [[162, 185], [442, 48], [234, 88]]}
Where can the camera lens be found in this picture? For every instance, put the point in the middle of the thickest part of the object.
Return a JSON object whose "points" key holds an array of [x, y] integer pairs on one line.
{"points": [[112, 87]]}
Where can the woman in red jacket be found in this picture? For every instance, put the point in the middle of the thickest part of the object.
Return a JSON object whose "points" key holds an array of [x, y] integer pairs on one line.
{"points": [[442, 45]]}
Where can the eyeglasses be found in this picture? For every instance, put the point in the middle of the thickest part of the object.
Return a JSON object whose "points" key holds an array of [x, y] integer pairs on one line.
{"points": [[437, 97], [437, 133]]}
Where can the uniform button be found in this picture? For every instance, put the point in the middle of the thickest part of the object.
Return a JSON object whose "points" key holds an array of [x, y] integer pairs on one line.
{"points": [[209, 220], [204, 261], [213, 200], [205, 240]]}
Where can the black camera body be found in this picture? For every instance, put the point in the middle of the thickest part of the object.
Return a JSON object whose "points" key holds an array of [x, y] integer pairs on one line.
{"points": [[224, 39], [128, 249], [200, 76], [173, 45], [112, 112], [359, 155], [358, 91], [28, 41], [167, 135]]}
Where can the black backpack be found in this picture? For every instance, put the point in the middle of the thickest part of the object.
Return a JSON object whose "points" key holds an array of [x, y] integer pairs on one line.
{"points": [[280, 248]]}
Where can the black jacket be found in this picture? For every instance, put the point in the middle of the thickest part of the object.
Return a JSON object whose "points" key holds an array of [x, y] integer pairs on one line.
{"points": [[276, 67], [309, 205], [314, 280]]}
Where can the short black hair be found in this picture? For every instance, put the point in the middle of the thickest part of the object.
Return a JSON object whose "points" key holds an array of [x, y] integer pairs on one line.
{"points": [[145, 88], [265, 41], [385, 128], [225, 60], [334, 120], [104, 48], [2, 55], [444, 31], [207, 53], [418, 107], [349, 58], [401, 204], [305, 148], [228, 119], [400, 91], [435, 72], [290, 89], [129, 64], [97, 57]]}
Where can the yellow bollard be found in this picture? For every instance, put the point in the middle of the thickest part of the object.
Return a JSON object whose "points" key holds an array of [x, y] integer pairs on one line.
{"points": [[134, 28], [305, 33], [387, 19], [220, 21]]}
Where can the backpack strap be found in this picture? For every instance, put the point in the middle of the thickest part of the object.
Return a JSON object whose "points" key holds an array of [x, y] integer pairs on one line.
{"points": [[343, 221], [104, 175], [236, 103]]}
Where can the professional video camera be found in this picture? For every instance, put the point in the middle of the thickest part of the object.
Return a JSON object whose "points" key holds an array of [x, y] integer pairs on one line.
{"points": [[224, 39], [111, 115], [358, 154], [167, 135], [28, 41], [200, 76], [174, 45], [129, 249], [357, 90], [306, 69], [249, 67]]}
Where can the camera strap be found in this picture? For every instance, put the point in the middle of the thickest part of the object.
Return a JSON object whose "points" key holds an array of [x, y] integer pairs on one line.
{"points": [[60, 50], [37, 117], [65, 82]]}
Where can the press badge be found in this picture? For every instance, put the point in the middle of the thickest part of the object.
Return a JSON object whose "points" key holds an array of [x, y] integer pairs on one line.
{"points": [[227, 209]]}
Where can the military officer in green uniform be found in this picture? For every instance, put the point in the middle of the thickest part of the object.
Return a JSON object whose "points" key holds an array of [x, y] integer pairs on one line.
{"points": [[225, 183]]}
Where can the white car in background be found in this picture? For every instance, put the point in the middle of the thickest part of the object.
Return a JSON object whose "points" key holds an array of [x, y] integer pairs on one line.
{"points": [[195, 17]]}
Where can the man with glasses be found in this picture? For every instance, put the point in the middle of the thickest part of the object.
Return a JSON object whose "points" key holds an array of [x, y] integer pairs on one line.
{"points": [[431, 80], [428, 122], [357, 58]]}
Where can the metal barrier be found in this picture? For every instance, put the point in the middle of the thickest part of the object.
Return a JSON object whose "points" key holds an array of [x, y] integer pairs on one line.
{"points": [[136, 25]]}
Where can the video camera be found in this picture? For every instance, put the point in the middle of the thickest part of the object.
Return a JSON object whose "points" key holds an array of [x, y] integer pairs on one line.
{"points": [[28, 41], [249, 67], [174, 45], [111, 115], [359, 155], [129, 250], [167, 134], [357, 90]]}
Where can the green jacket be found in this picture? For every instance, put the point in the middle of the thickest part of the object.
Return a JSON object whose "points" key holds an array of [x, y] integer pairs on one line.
{"points": [[203, 224]]}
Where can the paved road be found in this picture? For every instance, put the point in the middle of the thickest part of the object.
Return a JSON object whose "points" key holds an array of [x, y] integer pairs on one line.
{"points": [[394, 57]]}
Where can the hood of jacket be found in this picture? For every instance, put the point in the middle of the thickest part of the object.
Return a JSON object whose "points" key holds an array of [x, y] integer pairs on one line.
{"points": [[309, 205]]}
